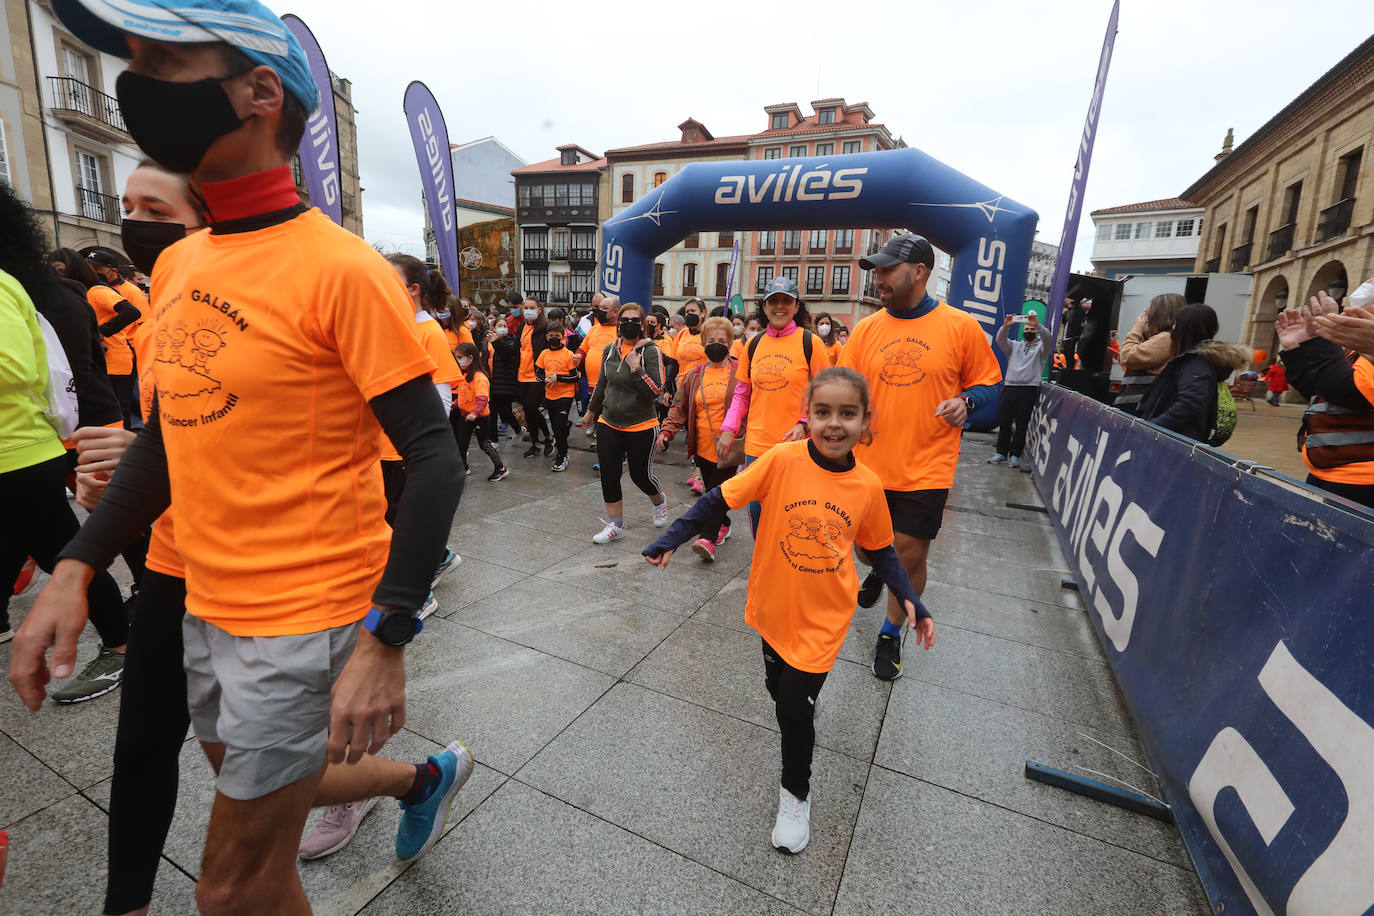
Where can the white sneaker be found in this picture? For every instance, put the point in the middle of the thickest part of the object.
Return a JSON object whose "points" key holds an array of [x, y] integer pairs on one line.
{"points": [[998, 459], [430, 606], [661, 513], [792, 830], [609, 533], [1013, 461]]}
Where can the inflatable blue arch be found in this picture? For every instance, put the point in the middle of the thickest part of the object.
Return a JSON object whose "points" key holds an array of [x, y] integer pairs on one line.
{"points": [[988, 234]]}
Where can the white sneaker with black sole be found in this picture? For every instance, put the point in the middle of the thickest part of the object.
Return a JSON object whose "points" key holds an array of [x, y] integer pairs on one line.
{"points": [[792, 829]]}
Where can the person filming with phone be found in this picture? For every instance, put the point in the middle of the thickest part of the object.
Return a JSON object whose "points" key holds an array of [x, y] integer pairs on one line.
{"points": [[1025, 367]]}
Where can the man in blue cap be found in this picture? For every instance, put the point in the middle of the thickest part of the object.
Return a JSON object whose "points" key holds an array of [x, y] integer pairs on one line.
{"points": [[288, 352]]}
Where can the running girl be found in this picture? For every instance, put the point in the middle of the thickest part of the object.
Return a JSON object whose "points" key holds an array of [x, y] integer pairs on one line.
{"points": [[556, 368], [818, 503], [471, 408]]}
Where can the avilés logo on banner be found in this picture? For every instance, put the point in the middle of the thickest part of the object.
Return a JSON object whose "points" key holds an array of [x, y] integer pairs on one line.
{"points": [[430, 135], [319, 149]]}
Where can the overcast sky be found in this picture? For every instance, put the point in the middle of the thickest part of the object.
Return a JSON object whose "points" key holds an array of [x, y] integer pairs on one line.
{"points": [[998, 89]]}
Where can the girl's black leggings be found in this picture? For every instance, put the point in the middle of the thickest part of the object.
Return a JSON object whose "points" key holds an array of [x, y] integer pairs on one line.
{"points": [[152, 731], [794, 698], [532, 398], [463, 430], [38, 523], [636, 449], [558, 416]]}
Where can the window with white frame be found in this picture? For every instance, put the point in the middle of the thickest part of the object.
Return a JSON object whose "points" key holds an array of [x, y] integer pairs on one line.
{"points": [[773, 152], [779, 121], [1142, 230], [797, 151], [1164, 230], [1123, 231], [825, 149], [1104, 232], [1184, 229], [839, 280], [765, 277], [852, 146], [825, 116]]}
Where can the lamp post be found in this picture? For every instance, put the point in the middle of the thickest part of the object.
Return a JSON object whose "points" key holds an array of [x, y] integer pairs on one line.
{"points": [[1337, 289], [1281, 299]]}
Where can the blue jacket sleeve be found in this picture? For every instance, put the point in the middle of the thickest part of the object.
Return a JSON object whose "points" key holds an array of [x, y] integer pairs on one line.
{"points": [[982, 395], [710, 505], [889, 569]]}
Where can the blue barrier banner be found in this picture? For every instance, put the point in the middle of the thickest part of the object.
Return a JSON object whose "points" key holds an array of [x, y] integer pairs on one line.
{"points": [[430, 136], [988, 234], [319, 149], [1059, 286], [1238, 614]]}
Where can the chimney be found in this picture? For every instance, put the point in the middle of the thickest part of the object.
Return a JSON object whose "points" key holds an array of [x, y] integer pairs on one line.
{"points": [[1226, 144]]}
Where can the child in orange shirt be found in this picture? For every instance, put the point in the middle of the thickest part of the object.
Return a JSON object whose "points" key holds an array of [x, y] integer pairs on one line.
{"points": [[557, 368], [471, 407], [818, 502]]}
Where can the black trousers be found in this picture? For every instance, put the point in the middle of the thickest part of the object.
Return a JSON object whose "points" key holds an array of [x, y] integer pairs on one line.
{"points": [[463, 430], [1356, 493], [712, 477], [614, 446], [126, 393], [558, 415], [532, 398], [794, 699], [39, 523], [1014, 410], [502, 411], [152, 731]]}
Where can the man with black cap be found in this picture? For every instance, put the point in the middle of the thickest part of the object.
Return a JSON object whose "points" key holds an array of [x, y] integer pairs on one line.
{"points": [[928, 367], [284, 351]]}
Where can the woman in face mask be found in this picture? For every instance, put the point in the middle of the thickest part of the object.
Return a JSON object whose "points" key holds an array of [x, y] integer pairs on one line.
{"points": [[827, 329], [532, 343], [703, 396], [622, 407]]}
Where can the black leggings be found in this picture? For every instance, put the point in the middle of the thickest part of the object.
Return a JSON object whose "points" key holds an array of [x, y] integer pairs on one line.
{"points": [[39, 523], [126, 393], [614, 446], [152, 729], [794, 698], [1014, 408], [503, 410], [558, 416], [463, 430], [712, 477], [532, 398]]}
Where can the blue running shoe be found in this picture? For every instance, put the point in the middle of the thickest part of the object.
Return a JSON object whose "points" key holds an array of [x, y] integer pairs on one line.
{"points": [[450, 562], [422, 824]]}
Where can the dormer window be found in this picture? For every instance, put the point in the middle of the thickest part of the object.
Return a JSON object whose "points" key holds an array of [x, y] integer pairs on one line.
{"points": [[779, 121], [825, 116], [569, 157]]}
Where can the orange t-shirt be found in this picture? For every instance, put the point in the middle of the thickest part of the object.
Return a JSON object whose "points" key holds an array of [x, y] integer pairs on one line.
{"points": [[638, 427], [1361, 473], [737, 348], [710, 408], [135, 295], [119, 353], [780, 379], [526, 373], [558, 362], [456, 336], [802, 581], [162, 548], [593, 350], [276, 340], [912, 364], [688, 351], [833, 351], [465, 393], [446, 371]]}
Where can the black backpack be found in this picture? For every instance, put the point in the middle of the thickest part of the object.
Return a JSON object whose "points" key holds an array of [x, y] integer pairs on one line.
{"points": [[808, 347]]}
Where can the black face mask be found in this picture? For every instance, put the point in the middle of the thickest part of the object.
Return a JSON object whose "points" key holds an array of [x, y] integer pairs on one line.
{"points": [[631, 328], [175, 123], [692, 320], [555, 343], [145, 239], [716, 352], [599, 316]]}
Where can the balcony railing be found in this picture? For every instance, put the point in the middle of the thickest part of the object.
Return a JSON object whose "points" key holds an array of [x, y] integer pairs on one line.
{"points": [[1335, 219], [689, 290], [70, 94], [97, 206], [559, 295], [583, 254], [767, 249], [1280, 242], [536, 254], [1240, 257], [559, 254]]}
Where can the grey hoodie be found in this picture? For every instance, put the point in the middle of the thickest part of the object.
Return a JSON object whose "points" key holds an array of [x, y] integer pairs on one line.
{"points": [[1025, 361]]}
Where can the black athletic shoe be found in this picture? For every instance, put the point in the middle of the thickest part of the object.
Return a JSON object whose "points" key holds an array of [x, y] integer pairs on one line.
{"points": [[887, 658], [871, 590], [499, 473], [548, 448], [561, 464], [532, 451]]}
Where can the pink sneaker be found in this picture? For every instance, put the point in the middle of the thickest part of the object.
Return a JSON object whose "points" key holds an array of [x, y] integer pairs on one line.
{"points": [[334, 829], [703, 548], [698, 487], [723, 536]]}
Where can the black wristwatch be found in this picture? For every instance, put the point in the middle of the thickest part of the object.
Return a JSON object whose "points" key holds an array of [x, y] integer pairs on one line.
{"points": [[393, 628]]}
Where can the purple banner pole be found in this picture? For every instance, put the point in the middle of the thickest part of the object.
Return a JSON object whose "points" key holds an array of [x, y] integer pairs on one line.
{"points": [[319, 150], [430, 135], [730, 274], [1060, 287]]}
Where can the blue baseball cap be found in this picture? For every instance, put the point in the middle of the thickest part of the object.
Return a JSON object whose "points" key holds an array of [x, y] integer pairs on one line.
{"points": [[785, 285], [246, 25]]}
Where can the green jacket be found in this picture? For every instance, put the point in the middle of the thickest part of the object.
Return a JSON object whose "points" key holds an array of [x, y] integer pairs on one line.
{"points": [[26, 438], [623, 398]]}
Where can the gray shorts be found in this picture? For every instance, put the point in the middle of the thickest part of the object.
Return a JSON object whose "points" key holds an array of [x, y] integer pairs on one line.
{"points": [[265, 698]]}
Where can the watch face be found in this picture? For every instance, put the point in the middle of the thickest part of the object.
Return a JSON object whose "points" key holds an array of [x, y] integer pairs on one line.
{"points": [[395, 629]]}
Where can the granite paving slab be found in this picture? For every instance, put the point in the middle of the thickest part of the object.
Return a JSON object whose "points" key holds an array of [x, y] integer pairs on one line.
{"points": [[681, 588], [473, 580], [28, 785]]}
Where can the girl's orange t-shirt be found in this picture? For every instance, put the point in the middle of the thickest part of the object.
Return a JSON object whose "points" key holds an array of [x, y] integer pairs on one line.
{"points": [[465, 393]]}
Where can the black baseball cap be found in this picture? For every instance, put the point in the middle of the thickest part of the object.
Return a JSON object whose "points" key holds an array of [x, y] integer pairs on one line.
{"points": [[903, 249], [104, 259]]}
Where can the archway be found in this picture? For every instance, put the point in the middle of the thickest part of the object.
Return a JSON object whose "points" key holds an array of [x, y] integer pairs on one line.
{"points": [[1274, 300], [988, 234], [1330, 277]]}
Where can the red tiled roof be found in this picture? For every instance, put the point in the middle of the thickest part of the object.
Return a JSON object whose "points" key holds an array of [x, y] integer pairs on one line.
{"points": [[1168, 203], [811, 127], [824, 101], [718, 142], [555, 166]]}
